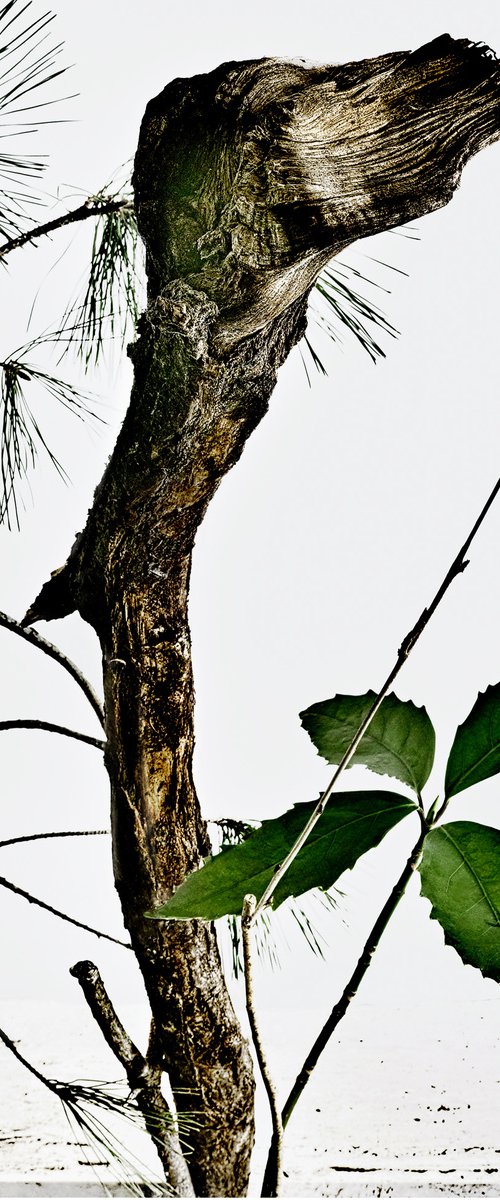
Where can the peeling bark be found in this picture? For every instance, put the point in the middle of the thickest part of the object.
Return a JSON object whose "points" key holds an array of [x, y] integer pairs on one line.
{"points": [[247, 181]]}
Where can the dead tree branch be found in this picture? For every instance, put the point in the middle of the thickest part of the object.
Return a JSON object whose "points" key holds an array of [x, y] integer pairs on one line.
{"points": [[56, 912], [49, 727], [38, 837], [93, 207], [272, 1182], [35, 639], [144, 1080]]}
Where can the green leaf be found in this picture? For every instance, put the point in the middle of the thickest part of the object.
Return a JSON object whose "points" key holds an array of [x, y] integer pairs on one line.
{"points": [[352, 823], [400, 740], [475, 753], [460, 873]]}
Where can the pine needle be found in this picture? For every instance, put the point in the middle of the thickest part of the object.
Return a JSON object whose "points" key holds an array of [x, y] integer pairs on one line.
{"points": [[21, 436], [83, 1105], [109, 308], [28, 58], [344, 310], [268, 927]]}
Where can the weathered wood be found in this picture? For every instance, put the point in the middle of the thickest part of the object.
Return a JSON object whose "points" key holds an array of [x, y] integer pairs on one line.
{"points": [[248, 180]]}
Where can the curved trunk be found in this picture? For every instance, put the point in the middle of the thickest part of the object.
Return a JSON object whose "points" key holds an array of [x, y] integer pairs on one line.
{"points": [[248, 180], [158, 832]]}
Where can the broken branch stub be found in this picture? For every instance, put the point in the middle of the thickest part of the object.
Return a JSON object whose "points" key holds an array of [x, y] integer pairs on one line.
{"points": [[249, 179]]}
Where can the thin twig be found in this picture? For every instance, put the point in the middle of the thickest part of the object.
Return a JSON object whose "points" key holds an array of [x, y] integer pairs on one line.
{"points": [[35, 639], [78, 1099], [458, 565], [349, 993], [12, 887], [351, 988], [50, 728], [90, 208], [143, 1078], [37, 837], [271, 1186], [49, 1083]]}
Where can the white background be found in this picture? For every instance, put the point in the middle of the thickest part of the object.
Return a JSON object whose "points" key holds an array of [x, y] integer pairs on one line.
{"points": [[319, 550]]}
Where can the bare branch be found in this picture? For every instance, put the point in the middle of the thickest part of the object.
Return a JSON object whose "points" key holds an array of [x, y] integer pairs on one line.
{"points": [[78, 1101], [144, 1079], [93, 207], [49, 727], [37, 837], [271, 1185], [57, 913], [36, 639], [457, 567], [49, 1083], [102, 1010]]}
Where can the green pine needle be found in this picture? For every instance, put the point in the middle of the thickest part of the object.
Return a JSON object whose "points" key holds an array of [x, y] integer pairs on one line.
{"points": [[268, 926], [83, 1105], [343, 309], [21, 436], [109, 308], [28, 58]]}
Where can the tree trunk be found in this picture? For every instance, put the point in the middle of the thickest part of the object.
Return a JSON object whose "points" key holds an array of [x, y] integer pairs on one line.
{"points": [[247, 180]]}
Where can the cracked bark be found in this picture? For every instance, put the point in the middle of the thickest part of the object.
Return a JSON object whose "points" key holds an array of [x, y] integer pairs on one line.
{"points": [[247, 181]]}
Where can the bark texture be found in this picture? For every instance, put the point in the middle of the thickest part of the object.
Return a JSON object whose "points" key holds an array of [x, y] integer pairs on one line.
{"points": [[247, 181]]}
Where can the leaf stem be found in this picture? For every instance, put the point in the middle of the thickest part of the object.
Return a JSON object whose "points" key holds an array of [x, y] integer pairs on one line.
{"points": [[458, 565], [351, 988], [271, 1184]]}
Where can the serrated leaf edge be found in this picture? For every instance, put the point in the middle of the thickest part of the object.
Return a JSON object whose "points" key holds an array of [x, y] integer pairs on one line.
{"points": [[491, 688], [434, 915]]}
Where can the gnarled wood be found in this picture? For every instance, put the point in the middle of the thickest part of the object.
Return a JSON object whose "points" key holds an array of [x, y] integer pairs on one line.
{"points": [[247, 181]]}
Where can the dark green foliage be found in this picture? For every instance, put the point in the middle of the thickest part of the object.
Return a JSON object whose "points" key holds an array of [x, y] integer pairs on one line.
{"points": [[475, 754], [400, 740], [353, 823], [460, 873]]}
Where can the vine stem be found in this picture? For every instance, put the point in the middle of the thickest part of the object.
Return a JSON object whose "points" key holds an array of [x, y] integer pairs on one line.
{"points": [[457, 567], [271, 1184], [350, 991], [90, 208], [35, 639]]}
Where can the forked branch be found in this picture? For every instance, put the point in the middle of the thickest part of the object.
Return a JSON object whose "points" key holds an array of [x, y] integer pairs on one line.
{"points": [[144, 1079]]}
